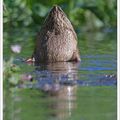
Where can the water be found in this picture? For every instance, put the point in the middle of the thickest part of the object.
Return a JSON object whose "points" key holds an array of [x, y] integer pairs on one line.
{"points": [[68, 90]]}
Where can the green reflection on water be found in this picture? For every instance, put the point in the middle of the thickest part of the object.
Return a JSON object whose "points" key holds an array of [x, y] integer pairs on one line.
{"points": [[86, 103], [94, 43]]}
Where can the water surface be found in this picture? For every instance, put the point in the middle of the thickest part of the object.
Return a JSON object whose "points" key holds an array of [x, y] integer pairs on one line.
{"points": [[68, 90]]}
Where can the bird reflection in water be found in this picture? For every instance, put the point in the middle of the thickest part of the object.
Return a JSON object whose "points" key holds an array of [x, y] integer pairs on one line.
{"points": [[58, 82]]}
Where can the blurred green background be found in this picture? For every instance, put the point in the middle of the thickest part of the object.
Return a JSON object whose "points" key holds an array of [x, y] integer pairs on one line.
{"points": [[24, 17], [88, 14]]}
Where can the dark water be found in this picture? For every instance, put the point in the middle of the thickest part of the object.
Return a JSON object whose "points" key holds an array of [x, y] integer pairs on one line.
{"points": [[66, 90]]}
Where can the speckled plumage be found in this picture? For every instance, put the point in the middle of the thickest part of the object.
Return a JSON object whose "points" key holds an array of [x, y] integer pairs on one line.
{"points": [[57, 40]]}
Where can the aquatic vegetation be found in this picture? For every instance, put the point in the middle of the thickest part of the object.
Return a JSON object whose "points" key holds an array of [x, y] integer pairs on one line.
{"points": [[12, 75]]}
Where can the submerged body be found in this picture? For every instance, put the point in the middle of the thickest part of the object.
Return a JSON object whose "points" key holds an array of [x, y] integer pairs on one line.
{"points": [[57, 40]]}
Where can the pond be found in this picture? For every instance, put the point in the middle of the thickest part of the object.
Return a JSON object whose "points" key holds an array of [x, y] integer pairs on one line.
{"points": [[68, 90]]}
